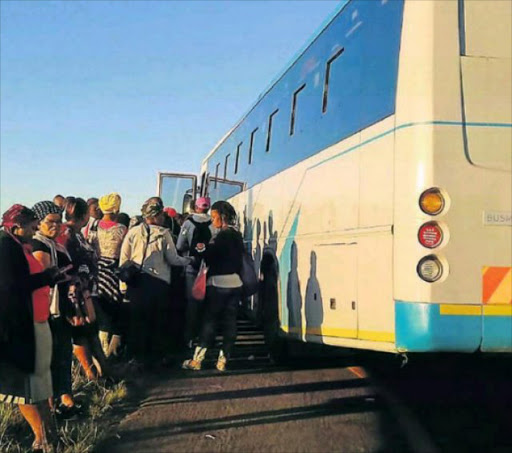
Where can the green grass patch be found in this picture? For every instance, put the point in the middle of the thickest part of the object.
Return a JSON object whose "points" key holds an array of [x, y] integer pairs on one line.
{"points": [[77, 436]]}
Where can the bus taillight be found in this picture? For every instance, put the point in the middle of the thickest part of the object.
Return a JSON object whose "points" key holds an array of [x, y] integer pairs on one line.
{"points": [[432, 201], [430, 235], [430, 268]]}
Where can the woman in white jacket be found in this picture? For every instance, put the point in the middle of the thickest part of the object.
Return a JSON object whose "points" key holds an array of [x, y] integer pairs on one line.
{"points": [[150, 246]]}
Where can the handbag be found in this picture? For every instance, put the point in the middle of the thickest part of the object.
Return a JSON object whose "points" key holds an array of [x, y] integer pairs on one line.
{"points": [[199, 286], [250, 283], [129, 270]]}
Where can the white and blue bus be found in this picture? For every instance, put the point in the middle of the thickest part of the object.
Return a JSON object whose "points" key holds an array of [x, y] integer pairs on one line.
{"points": [[373, 180]]}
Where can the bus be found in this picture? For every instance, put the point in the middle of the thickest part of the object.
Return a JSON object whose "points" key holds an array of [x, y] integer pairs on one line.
{"points": [[373, 181]]}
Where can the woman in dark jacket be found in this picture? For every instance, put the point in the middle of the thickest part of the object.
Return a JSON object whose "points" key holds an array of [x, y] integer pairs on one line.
{"points": [[25, 338], [223, 257], [63, 313]]}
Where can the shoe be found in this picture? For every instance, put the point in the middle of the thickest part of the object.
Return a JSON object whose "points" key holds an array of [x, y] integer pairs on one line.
{"points": [[114, 347], [191, 364], [195, 362], [221, 361], [68, 412], [103, 336]]}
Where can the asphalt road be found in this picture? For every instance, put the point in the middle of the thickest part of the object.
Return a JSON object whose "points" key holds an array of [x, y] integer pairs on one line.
{"points": [[353, 402]]}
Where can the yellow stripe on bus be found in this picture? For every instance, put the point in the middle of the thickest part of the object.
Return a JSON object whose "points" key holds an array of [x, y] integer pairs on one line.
{"points": [[455, 309], [498, 310], [344, 333]]}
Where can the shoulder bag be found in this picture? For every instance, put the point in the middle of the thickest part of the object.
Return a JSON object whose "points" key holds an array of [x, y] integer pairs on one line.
{"points": [[130, 270]]}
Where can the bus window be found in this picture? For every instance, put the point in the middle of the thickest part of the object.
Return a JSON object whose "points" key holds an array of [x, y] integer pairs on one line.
{"points": [[175, 189], [226, 164], [294, 109], [327, 76], [251, 146], [202, 189], [223, 189], [237, 158], [269, 132], [216, 174]]}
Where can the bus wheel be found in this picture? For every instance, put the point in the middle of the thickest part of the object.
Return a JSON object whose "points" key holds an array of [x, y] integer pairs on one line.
{"points": [[277, 345]]}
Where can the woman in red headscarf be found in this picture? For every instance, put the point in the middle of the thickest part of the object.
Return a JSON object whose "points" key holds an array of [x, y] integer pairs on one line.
{"points": [[25, 337]]}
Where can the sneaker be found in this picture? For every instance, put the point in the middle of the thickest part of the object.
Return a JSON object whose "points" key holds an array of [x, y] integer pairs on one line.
{"points": [[191, 364], [221, 361], [221, 364]]}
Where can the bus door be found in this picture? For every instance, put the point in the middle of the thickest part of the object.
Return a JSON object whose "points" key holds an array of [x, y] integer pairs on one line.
{"points": [[334, 268], [177, 190], [221, 189]]}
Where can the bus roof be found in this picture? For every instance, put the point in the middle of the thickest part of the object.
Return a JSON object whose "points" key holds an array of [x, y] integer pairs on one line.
{"points": [[280, 75]]}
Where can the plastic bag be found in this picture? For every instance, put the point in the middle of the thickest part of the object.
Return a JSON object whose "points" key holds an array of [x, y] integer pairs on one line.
{"points": [[199, 287]]}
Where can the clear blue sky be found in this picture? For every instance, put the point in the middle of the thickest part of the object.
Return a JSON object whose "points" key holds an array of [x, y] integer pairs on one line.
{"points": [[98, 96]]}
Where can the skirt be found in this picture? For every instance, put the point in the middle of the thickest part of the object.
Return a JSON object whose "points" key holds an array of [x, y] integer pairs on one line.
{"points": [[108, 282], [22, 388]]}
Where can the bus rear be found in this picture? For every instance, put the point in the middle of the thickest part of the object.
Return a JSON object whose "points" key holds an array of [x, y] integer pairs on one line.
{"points": [[453, 241]]}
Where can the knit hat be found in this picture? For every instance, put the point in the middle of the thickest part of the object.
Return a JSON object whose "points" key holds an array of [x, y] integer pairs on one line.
{"points": [[17, 214], [203, 203], [43, 208], [110, 204], [152, 207]]}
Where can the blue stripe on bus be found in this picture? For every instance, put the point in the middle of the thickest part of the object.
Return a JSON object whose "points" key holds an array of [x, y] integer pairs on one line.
{"points": [[497, 334], [407, 125], [419, 327]]}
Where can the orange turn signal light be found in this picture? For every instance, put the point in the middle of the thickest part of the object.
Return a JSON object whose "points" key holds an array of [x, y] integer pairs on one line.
{"points": [[432, 201]]}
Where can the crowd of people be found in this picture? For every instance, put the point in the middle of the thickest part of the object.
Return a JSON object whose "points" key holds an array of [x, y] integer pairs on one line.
{"points": [[82, 278]]}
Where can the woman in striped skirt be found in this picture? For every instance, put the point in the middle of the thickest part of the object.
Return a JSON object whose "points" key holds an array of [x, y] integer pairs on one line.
{"points": [[106, 235]]}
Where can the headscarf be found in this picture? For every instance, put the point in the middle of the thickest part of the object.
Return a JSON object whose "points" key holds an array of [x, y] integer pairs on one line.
{"points": [[171, 212], [17, 214], [110, 204], [152, 207], [44, 208]]}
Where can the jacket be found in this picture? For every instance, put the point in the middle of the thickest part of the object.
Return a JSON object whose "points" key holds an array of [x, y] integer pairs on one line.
{"points": [[160, 254], [17, 340]]}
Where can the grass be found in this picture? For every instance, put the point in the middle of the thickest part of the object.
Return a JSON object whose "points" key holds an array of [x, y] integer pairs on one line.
{"points": [[80, 436]]}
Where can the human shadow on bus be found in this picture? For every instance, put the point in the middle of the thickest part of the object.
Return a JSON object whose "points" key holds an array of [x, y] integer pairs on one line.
{"points": [[314, 309], [294, 296]]}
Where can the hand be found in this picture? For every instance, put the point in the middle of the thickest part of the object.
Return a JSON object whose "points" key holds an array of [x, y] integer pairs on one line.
{"points": [[56, 275], [76, 321]]}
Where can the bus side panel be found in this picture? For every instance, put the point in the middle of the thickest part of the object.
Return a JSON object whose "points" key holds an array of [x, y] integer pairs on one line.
{"points": [[375, 263]]}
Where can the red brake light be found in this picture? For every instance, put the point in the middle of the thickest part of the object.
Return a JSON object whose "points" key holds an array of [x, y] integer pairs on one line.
{"points": [[430, 235]]}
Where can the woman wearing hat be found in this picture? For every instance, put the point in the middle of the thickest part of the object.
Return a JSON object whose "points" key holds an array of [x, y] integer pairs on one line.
{"points": [[62, 313], [195, 233], [25, 337], [150, 246], [106, 237]]}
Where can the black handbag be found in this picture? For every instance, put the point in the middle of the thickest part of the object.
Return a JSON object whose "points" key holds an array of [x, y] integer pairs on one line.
{"points": [[130, 270]]}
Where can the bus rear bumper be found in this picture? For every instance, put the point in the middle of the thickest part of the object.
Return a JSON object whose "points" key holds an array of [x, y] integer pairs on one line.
{"points": [[430, 327]]}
